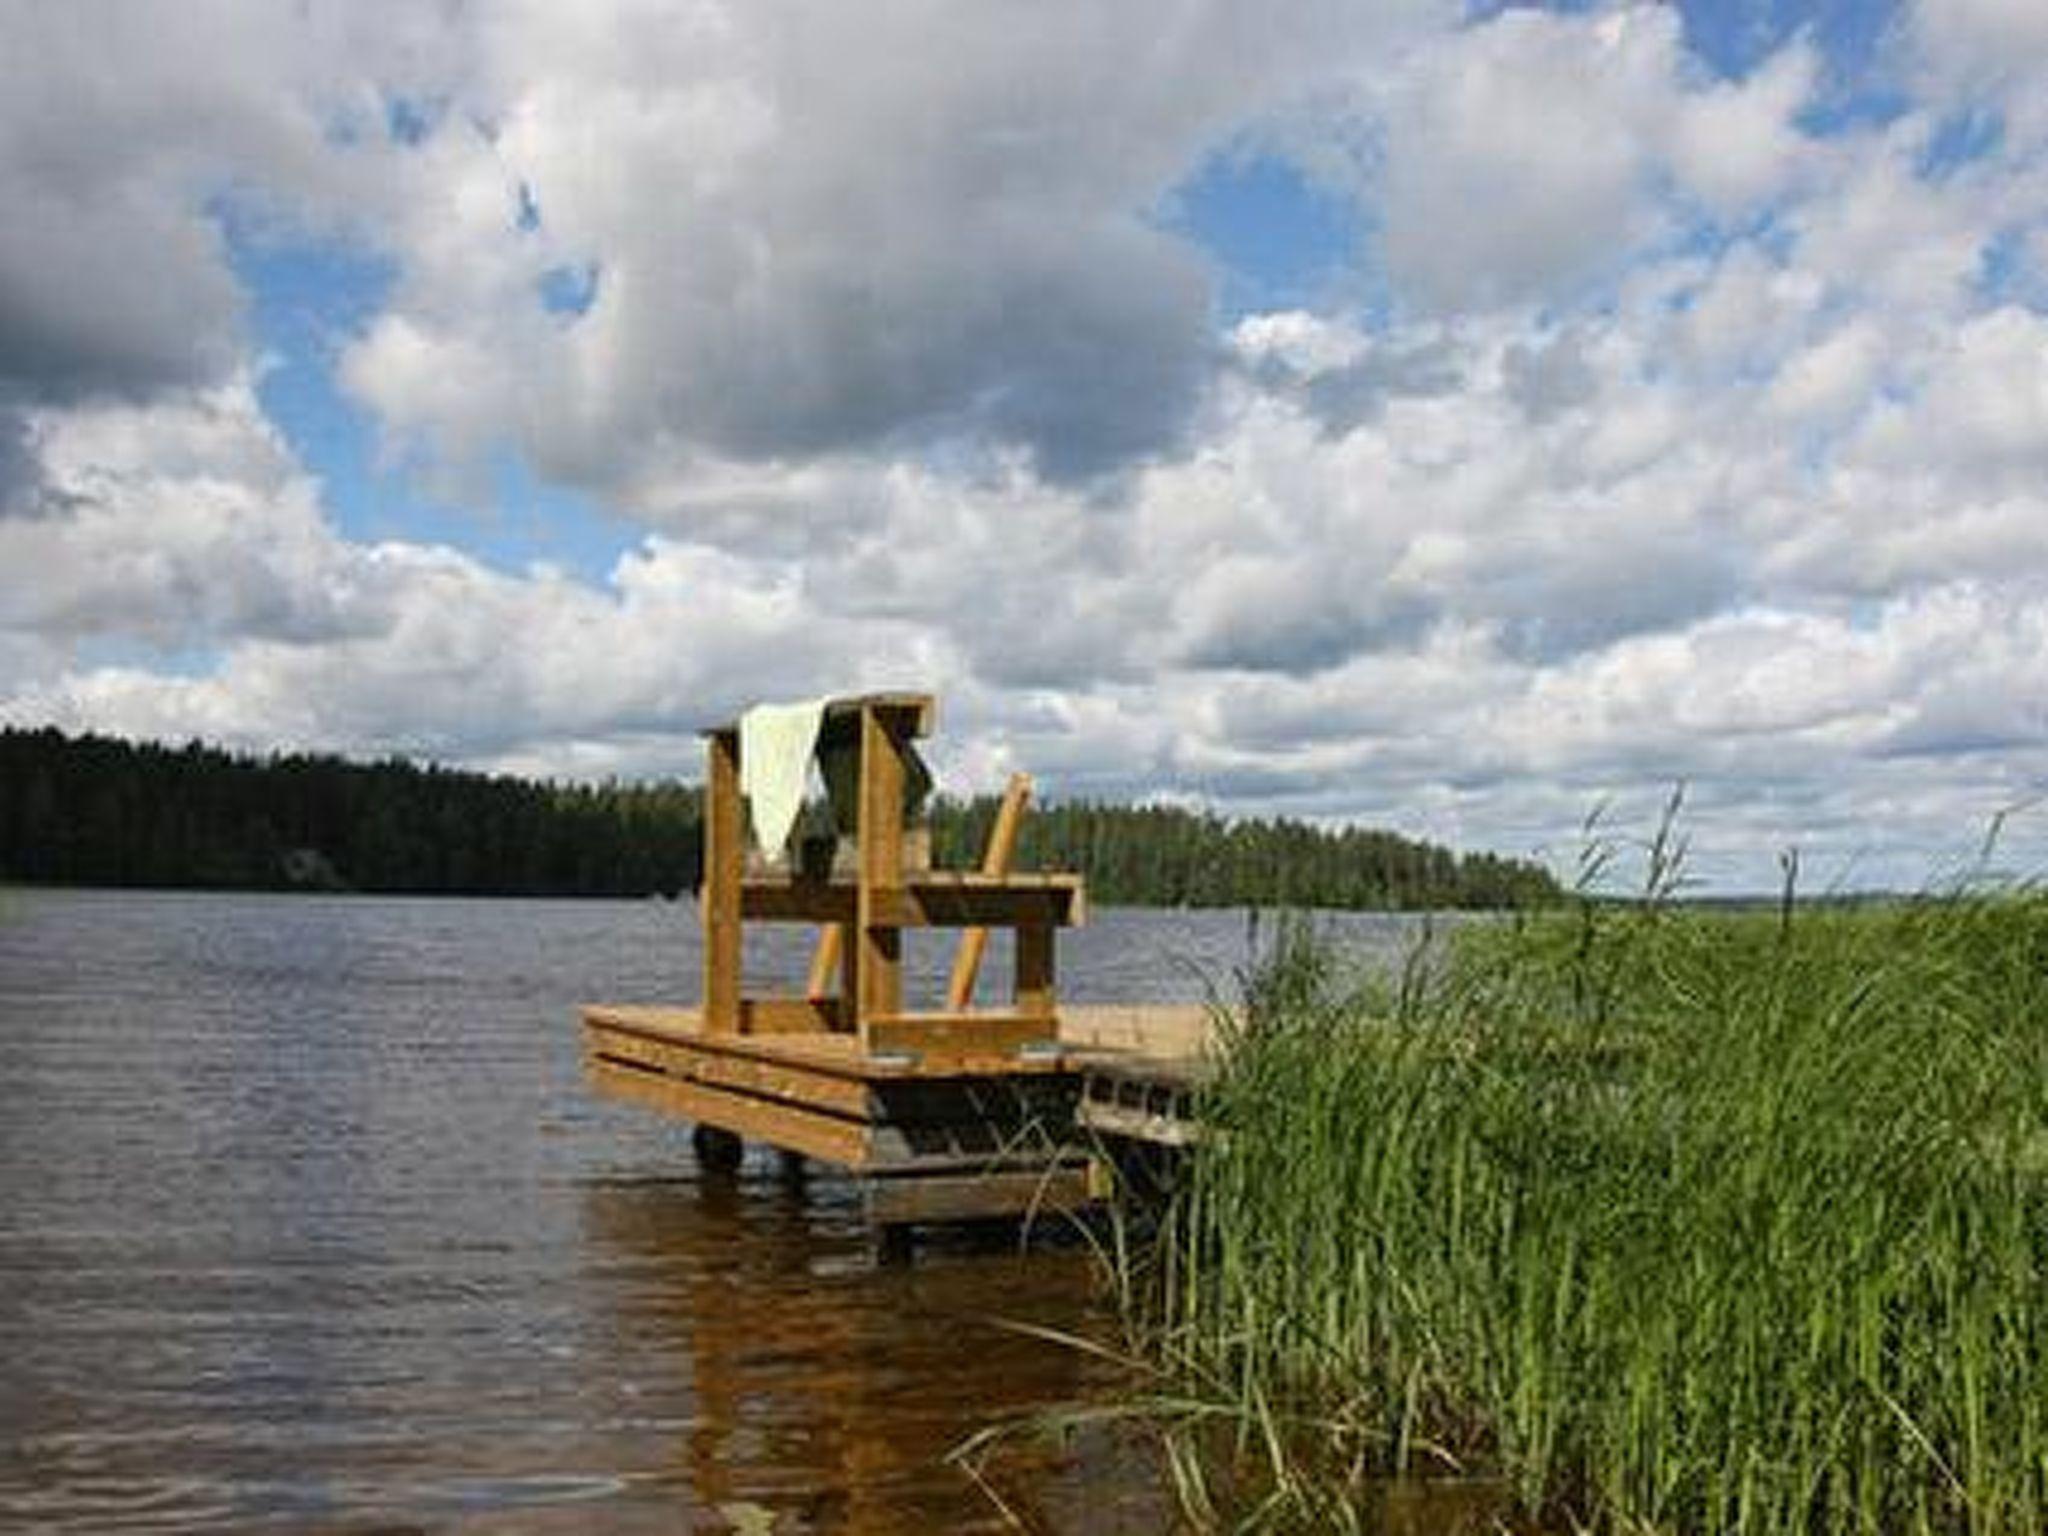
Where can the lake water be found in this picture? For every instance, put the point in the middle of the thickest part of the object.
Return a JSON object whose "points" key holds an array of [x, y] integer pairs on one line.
{"points": [[308, 1223]]}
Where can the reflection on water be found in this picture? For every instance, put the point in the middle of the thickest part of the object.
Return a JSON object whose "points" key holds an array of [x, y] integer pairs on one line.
{"points": [[811, 1381], [307, 1223]]}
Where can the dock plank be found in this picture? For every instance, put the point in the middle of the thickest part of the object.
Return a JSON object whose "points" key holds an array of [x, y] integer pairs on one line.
{"points": [[951, 1049], [814, 1133]]}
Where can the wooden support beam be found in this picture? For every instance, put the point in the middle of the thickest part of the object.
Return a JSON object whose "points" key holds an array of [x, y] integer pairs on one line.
{"points": [[825, 961], [933, 899], [719, 897], [961, 901], [849, 978], [1035, 970], [1002, 846], [779, 898], [878, 973]]}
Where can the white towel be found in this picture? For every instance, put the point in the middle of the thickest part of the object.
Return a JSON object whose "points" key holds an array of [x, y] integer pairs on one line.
{"points": [[776, 742]]}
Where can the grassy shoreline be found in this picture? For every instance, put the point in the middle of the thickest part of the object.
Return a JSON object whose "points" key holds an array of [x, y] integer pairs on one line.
{"points": [[1671, 1220]]}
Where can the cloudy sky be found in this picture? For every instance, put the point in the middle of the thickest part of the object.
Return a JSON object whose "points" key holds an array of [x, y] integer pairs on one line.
{"points": [[1450, 417]]}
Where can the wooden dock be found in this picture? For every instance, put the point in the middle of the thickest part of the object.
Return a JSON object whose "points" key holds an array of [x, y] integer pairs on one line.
{"points": [[944, 1114], [932, 1139]]}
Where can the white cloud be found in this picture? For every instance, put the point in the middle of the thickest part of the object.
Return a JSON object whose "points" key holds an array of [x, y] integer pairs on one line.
{"points": [[1833, 379], [1734, 145], [1887, 236], [811, 232], [1984, 48], [177, 523], [1535, 152], [1983, 397]]}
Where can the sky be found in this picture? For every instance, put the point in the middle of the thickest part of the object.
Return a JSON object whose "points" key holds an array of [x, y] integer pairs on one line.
{"points": [[1467, 419]]}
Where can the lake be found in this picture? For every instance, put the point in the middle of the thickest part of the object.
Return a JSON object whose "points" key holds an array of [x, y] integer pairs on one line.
{"points": [[308, 1223]]}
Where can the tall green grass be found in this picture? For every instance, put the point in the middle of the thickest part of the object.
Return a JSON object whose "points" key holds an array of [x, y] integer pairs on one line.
{"points": [[1672, 1221]]}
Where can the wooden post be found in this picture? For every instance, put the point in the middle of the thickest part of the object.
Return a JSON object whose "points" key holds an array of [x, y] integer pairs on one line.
{"points": [[849, 978], [878, 963], [1035, 970], [719, 897], [1002, 845]]}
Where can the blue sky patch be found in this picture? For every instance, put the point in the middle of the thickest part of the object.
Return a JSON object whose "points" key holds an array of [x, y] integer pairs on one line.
{"points": [[307, 302], [1278, 241], [569, 290], [412, 121], [1960, 139], [1733, 37]]}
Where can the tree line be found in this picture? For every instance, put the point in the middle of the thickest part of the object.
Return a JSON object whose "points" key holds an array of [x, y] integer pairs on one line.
{"points": [[1167, 856], [92, 810], [95, 810]]}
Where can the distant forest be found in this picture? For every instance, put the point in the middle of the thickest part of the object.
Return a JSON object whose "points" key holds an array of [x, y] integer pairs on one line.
{"points": [[93, 810]]}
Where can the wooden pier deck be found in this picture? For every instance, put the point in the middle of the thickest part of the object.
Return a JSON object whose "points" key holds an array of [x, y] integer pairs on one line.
{"points": [[932, 1137]]}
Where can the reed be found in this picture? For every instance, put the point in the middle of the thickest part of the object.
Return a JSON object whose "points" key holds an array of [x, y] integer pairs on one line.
{"points": [[1671, 1221]]}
